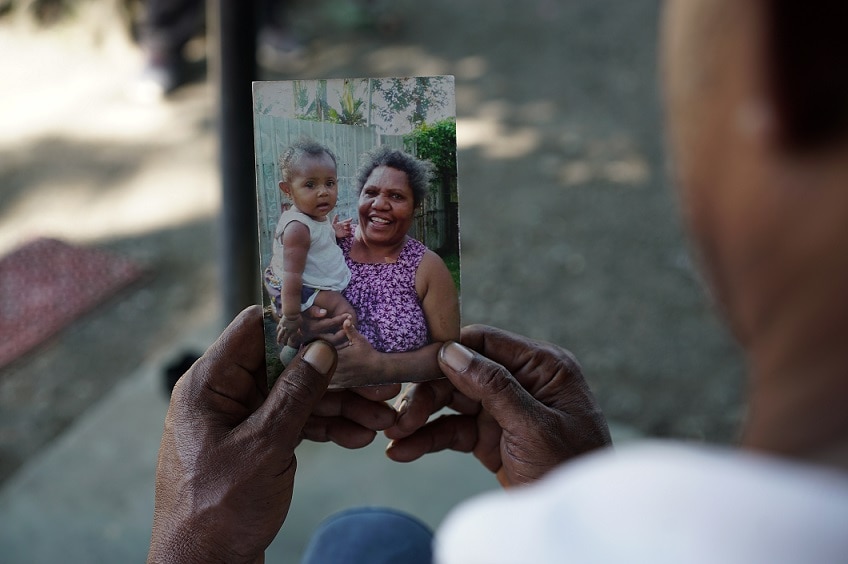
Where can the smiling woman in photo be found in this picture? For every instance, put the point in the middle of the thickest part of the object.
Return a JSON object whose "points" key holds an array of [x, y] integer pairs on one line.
{"points": [[405, 299]]}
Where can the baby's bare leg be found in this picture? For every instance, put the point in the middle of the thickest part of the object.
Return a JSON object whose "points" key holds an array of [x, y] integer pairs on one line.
{"points": [[335, 304]]}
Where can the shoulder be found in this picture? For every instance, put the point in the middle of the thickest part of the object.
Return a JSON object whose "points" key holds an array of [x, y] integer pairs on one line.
{"points": [[432, 263], [295, 216], [432, 274], [661, 502], [296, 232], [439, 297], [417, 254]]}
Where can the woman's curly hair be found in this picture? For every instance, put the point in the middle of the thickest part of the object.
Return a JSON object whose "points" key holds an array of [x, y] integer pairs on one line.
{"points": [[418, 172]]}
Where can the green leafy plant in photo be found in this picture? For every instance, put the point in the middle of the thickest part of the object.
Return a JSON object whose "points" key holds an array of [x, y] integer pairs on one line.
{"points": [[436, 143]]}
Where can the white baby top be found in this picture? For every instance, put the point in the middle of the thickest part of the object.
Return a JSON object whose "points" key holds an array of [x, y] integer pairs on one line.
{"points": [[325, 267]]}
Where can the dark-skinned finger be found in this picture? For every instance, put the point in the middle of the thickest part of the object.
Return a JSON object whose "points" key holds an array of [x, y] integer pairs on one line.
{"points": [[448, 432], [492, 342], [416, 405], [513, 350], [488, 447], [323, 326], [533, 363], [550, 374], [242, 341], [295, 394], [382, 392], [527, 359], [315, 312], [338, 430], [491, 384], [226, 378], [374, 415]]}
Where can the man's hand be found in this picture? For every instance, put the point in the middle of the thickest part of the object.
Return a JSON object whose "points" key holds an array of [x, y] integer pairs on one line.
{"points": [[226, 462], [522, 407]]}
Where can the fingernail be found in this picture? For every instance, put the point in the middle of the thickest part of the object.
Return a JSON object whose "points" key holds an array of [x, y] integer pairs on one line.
{"points": [[402, 405], [320, 355], [456, 356]]}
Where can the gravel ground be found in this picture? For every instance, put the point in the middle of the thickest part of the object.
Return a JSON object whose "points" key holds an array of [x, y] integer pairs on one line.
{"points": [[569, 226]]}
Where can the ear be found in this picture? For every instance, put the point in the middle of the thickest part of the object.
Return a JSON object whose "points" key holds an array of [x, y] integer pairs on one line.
{"points": [[285, 187]]}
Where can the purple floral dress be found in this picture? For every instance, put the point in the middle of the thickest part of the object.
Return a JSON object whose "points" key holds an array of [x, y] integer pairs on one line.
{"points": [[384, 298]]}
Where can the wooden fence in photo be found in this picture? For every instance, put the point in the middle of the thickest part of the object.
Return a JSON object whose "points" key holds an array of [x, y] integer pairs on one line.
{"points": [[432, 224]]}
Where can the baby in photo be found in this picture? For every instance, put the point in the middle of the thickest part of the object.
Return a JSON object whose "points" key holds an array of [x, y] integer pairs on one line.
{"points": [[307, 266]]}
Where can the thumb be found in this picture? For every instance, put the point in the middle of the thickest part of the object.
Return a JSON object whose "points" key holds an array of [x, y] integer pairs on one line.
{"points": [[486, 381], [297, 390], [351, 332]]}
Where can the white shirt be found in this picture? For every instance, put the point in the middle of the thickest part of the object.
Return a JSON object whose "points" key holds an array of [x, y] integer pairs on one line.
{"points": [[658, 503], [325, 267]]}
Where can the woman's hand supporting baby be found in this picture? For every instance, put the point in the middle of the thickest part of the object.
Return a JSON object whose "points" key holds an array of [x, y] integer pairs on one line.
{"points": [[317, 325], [522, 407]]}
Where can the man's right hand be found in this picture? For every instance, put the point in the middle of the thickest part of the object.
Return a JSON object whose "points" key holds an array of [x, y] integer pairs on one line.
{"points": [[522, 407]]}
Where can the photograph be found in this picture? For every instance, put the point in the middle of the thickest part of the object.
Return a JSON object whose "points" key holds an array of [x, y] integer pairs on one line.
{"points": [[358, 213]]}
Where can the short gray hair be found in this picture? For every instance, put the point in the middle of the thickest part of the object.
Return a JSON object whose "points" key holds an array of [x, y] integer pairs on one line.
{"points": [[418, 172]]}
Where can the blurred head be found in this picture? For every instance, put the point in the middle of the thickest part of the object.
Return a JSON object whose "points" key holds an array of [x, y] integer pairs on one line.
{"points": [[757, 106], [418, 173]]}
